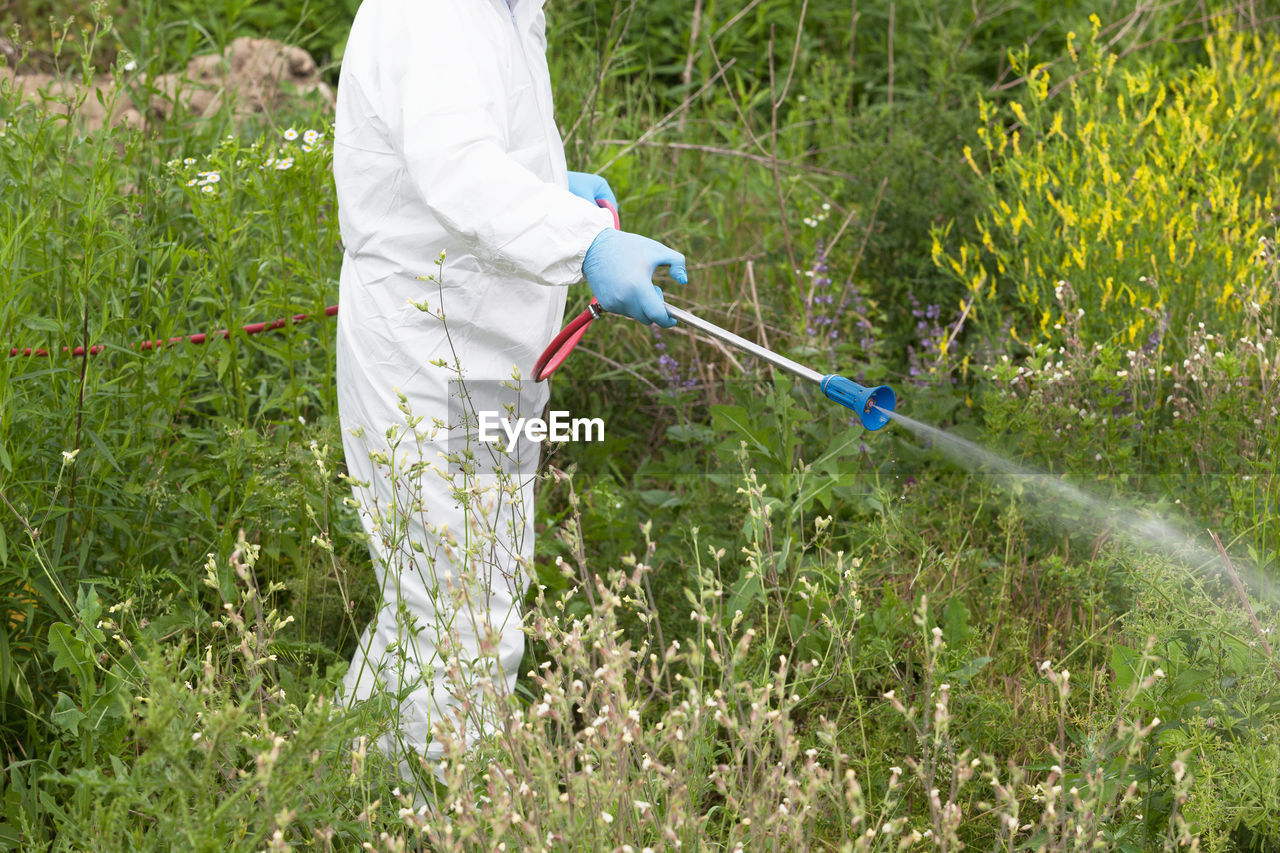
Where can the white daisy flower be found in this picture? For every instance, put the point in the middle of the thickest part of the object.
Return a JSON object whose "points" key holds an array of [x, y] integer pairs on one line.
{"points": [[291, 134]]}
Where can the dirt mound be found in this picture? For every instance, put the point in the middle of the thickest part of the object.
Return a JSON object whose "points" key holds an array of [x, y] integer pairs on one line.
{"points": [[255, 76], [260, 75]]}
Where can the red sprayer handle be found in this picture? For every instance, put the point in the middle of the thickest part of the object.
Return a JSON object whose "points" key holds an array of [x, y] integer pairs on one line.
{"points": [[562, 344]]}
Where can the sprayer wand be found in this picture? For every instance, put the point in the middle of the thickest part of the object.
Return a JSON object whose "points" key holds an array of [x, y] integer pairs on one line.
{"points": [[871, 405]]}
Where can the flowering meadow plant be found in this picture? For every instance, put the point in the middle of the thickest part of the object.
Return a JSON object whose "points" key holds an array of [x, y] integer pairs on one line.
{"points": [[1151, 195]]}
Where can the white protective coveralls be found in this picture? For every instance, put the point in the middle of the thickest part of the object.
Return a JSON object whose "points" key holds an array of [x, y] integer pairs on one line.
{"points": [[445, 140]]}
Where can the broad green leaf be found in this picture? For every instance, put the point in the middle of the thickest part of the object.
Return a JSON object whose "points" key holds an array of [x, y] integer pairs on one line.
{"points": [[735, 418], [1125, 662], [69, 652], [105, 707], [66, 715], [965, 674], [88, 605], [840, 445], [746, 591], [661, 498], [955, 622]]}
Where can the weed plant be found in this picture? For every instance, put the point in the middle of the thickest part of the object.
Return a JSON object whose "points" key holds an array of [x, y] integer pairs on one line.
{"points": [[1111, 179], [750, 625]]}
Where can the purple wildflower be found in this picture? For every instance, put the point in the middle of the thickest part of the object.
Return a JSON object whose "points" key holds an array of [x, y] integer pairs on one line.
{"points": [[820, 318], [669, 368]]}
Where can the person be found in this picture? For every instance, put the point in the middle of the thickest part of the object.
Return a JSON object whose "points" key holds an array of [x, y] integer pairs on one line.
{"points": [[446, 151]]}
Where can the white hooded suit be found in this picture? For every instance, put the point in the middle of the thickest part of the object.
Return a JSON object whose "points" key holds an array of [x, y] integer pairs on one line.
{"points": [[445, 141]]}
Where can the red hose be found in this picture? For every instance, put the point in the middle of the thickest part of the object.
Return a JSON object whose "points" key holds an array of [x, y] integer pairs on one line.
{"points": [[251, 329]]}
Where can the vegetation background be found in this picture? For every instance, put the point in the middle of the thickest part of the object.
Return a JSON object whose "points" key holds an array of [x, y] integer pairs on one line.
{"points": [[1050, 226]]}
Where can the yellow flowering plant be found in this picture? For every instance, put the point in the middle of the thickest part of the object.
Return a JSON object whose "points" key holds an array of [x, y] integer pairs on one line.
{"points": [[1149, 193]]}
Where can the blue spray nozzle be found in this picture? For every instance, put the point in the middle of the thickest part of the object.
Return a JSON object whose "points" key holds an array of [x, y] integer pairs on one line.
{"points": [[872, 405]]}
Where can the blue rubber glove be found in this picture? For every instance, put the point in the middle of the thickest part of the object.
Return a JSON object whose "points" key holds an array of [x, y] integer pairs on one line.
{"points": [[591, 187], [619, 267]]}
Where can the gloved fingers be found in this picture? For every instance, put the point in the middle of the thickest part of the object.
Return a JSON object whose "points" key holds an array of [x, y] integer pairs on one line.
{"points": [[604, 191], [591, 187], [674, 261], [678, 271], [655, 309]]}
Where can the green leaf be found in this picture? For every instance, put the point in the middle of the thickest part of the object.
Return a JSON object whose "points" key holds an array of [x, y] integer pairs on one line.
{"points": [[965, 674], [661, 498], [41, 324], [88, 605], [734, 418], [747, 590], [69, 652], [6, 663], [689, 433], [955, 622], [105, 707], [1125, 662], [840, 445], [66, 715], [103, 449]]}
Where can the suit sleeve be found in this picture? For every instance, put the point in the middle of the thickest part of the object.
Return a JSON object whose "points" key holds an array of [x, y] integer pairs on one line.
{"points": [[448, 119]]}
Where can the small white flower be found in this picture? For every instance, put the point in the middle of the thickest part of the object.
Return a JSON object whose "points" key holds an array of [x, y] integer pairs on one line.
{"points": [[69, 456], [291, 134], [131, 66], [286, 163], [206, 189], [311, 137], [606, 817], [189, 161]]}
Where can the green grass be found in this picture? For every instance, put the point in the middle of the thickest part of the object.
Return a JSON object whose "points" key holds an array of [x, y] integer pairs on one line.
{"points": [[840, 622]]}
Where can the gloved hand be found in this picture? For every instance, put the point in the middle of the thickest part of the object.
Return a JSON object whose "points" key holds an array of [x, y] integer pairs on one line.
{"points": [[619, 267], [591, 187]]}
